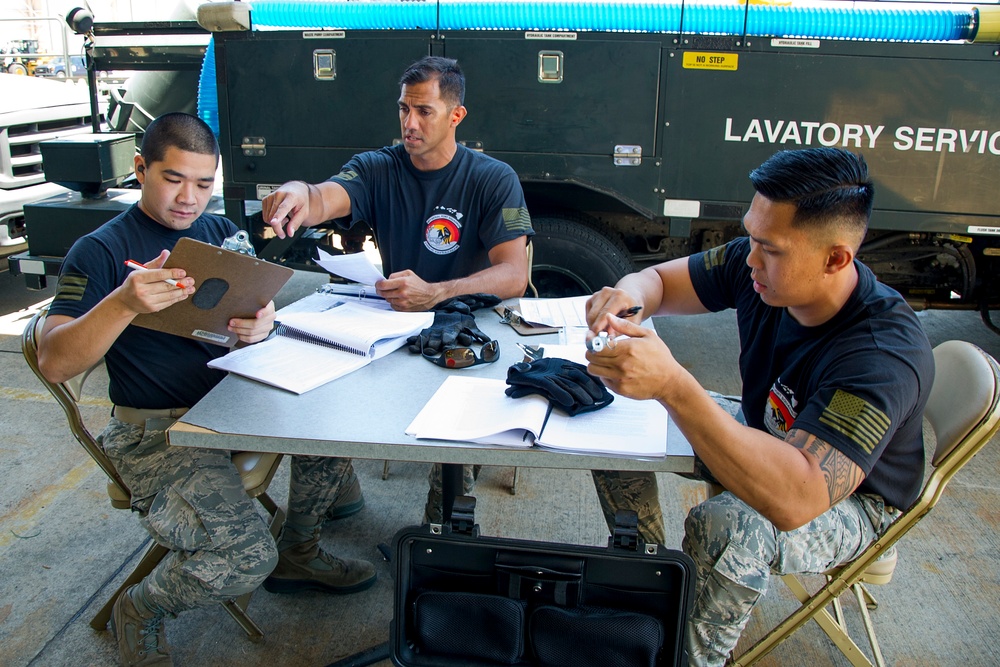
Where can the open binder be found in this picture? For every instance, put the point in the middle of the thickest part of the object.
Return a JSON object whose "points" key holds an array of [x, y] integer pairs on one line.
{"points": [[310, 348]]}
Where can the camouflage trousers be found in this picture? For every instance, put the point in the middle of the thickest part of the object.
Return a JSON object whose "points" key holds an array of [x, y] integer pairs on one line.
{"points": [[735, 550], [434, 509], [192, 502], [314, 483], [639, 491]]}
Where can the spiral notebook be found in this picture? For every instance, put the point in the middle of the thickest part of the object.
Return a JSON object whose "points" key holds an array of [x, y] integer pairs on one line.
{"points": [[310, 348]]}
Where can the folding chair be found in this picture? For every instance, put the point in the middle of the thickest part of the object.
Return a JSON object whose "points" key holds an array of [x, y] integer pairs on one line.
{"points": [[256, 471], [964, 412]]}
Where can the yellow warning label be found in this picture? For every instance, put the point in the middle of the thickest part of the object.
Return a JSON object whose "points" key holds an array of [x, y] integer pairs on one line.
{"points": [[705, 60]]}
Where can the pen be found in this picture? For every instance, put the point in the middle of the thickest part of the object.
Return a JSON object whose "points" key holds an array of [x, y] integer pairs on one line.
{"points": [[134, 265], [629, 312]]}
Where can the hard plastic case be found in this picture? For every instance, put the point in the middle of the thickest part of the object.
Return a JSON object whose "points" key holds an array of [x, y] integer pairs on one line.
{"points": [[464, 599]]}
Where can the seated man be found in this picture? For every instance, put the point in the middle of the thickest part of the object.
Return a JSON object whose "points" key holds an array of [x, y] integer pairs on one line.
{"points": [[836, 371], [190, 500], [447, 220]]}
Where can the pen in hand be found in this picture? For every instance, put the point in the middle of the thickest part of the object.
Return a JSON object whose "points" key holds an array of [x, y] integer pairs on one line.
{"points": [[629, 312], [134, 265]]}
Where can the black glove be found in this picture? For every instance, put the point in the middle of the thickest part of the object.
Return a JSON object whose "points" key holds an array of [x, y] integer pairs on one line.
{"points": [[467, 303], [566, 384], [449, 330]]}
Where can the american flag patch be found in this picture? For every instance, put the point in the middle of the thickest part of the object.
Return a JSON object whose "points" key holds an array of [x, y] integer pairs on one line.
{"points": [[857, 419]]}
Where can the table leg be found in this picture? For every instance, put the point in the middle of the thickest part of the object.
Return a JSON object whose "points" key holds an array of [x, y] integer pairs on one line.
{"points": [[451, 486]]}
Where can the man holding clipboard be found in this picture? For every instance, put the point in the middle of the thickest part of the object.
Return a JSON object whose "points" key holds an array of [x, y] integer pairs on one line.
{"points": [[447, 220], [190, 500]]}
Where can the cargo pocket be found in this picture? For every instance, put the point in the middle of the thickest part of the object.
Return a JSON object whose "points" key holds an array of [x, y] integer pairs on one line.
{"points": [[594, 637], [469, 626]]}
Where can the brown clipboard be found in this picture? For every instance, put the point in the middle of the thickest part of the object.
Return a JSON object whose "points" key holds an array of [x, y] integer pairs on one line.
{"points": [[509, 316], [227, 284]]}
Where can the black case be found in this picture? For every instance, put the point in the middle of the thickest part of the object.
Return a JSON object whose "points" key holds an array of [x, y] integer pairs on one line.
{"points": [[463, 600]]}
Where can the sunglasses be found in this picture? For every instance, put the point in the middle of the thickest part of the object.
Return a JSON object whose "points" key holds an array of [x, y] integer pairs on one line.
{"points": [[464, 357]]}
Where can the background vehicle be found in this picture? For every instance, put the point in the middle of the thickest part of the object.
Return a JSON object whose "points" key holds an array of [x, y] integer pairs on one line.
{"points": [[18, 57], [632, 130], [31, 111], [56, 67]]}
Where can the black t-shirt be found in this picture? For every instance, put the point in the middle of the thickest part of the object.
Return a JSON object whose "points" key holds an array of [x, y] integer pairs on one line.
{"points": [[859, 381], [439, 224], [147, 369]]}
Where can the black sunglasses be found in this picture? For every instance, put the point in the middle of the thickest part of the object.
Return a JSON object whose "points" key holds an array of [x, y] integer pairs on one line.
{"points": [[464, 357]]}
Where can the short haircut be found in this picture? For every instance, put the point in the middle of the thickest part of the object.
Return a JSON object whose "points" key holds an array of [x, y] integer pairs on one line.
{"points": [[451, 81], [826, 185], [179, 130]]}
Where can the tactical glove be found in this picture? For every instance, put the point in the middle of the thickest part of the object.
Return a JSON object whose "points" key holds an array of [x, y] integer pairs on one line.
{"points": [[467, 303], [566, 384], [449, 330]]}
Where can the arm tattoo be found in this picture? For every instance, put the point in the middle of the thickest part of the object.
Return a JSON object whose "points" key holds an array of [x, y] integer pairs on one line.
{"points": [[841, 473]]}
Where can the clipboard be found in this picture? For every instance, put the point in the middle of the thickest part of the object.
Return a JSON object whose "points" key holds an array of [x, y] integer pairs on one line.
{"points": [[228, 284], [509, 315]]}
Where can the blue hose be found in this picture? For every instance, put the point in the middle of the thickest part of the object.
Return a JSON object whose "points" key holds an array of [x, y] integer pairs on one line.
{"points": [[208, 94]]}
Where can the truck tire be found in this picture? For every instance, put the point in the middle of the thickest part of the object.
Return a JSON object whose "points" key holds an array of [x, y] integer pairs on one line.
{"points": [[18, 69], [573, 257]]}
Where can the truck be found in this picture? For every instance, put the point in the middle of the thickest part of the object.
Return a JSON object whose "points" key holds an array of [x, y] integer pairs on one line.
{"points": [[632, 126]]}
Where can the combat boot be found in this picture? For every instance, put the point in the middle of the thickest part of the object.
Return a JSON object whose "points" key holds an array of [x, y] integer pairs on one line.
{"points": [[349, 500], [304, 566], [142, 641]]}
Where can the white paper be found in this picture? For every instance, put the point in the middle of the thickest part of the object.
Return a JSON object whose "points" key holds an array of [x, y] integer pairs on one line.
{"points": [[358, 327], [626, 427], [565, 312], [477, 410], [355, 267]]}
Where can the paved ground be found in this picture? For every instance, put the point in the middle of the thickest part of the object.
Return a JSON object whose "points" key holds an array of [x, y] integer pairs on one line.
{"points": [[64, 548]]}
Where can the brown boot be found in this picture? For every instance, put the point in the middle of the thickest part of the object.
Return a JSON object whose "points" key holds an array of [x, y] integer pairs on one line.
{"points": [[303, 566], [142, 642]]}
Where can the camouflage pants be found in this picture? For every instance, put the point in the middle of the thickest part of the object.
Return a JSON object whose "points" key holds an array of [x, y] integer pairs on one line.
{"points": [[434, 509], [192, 502], [314, 482], [735, 550]]}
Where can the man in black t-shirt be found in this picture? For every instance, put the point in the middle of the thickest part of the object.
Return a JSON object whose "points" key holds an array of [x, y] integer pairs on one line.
{"points": [[447, 220], [836, 371], [191, 501]]}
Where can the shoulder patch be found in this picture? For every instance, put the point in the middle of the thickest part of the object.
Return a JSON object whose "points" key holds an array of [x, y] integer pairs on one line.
{"points": [[857, 419], [70, 287], [347, 175], [715, 257], [516, 219]]}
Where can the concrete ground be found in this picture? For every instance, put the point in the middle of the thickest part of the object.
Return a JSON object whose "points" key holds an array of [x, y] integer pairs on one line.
{"points": [[64, 548]]}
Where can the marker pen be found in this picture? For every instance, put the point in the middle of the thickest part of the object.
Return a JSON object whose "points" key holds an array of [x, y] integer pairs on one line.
{"points": [[134, 265]]}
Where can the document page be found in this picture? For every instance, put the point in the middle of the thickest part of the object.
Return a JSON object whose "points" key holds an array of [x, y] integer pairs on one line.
{"points": [[360, 328], [566, 312], [626, 427], [290, 364], [477, 410], [355, 267]]}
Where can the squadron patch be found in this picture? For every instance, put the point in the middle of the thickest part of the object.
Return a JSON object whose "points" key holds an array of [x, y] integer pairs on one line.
{"points": [[780, 412], [442, 234]]}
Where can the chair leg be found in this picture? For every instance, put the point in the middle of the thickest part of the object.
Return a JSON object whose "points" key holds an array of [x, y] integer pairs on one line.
{"points": [[513, 483], [254, 633], [812, 608], [863, 595], [385, 469], [150, 559]]}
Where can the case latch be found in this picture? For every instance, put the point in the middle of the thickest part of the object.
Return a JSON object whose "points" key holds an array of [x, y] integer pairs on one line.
{"points": [[463, 516], [626, 535], [254, 146]]}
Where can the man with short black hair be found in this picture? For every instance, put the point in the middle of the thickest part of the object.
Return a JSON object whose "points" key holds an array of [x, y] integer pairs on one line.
{"points": [[191, 501], [447, 220], [836, 371]]}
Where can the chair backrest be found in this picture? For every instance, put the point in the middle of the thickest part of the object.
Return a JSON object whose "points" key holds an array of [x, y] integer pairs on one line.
{"points": [[68, 395], [964, 411]]}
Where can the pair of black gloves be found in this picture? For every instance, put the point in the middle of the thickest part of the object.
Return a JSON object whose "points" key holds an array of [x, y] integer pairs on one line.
{"points": [[565, 383], [454, 325]]}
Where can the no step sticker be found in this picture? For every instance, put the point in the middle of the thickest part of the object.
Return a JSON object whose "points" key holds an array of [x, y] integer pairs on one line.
{"points": [[706, 60]]}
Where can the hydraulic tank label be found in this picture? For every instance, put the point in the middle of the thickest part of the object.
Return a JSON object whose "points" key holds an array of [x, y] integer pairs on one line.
{"points": [[706, 60]]}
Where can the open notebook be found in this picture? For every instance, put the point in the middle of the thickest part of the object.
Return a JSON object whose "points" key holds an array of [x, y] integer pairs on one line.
{"points": [[477, 410], [312, 347]]}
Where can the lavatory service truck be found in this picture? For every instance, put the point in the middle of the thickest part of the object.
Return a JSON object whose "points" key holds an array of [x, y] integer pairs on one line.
{"points": [[632, 125]]}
